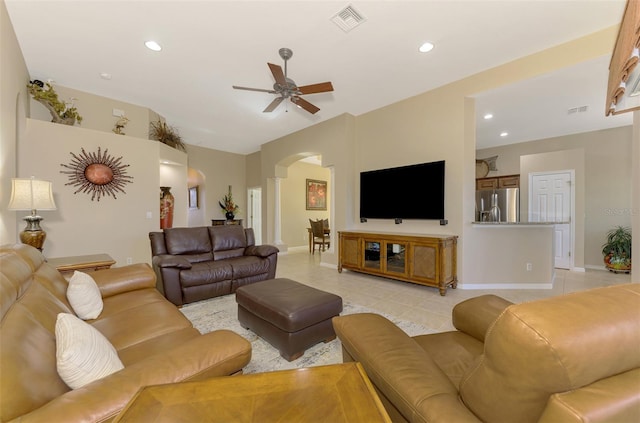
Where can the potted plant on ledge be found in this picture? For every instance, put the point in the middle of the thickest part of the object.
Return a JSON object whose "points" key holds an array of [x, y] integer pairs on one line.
{"points": [[617, 250], [61, 112]]}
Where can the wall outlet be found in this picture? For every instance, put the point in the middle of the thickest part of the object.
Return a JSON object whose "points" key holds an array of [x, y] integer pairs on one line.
{"points": [[149, 215], [529, 267], [129, 260], [117, 113]]}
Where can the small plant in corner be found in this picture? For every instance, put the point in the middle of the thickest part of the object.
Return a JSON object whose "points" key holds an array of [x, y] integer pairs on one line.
{"points": [[617, 249], [166, 134]]}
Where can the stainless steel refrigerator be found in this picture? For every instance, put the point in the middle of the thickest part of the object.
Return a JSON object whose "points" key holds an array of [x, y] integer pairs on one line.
{"points": [[498, 205]]}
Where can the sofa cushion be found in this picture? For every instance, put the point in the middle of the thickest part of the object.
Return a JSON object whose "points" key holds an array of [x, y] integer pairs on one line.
{"points": [[228, 241], [187, 240], [84, 296], [454, 352], [145, 314], [248, 266], [206, 273], [82, 353]]}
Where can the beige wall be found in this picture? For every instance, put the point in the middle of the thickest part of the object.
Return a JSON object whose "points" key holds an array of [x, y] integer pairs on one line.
{"points": [[333, 140], [80, 226], [435, 125], [295, 216], [219, 170], [97, 112], [14, 106], [254, 170], [600, 203], [506, 251]]}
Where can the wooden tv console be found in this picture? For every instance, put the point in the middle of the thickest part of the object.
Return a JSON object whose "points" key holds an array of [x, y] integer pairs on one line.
{"points": [[423, 259]]}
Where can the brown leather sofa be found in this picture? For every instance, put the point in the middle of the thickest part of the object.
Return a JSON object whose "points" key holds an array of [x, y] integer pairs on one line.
{"points": [[571, 358], [153, 339], [194, 264]]}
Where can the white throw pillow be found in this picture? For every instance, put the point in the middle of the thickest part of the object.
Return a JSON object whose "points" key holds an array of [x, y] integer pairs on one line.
{"points": [[84, 296], [83, 354]]}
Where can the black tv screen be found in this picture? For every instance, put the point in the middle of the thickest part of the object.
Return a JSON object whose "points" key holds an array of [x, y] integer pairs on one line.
{"points": [[406, 192]]}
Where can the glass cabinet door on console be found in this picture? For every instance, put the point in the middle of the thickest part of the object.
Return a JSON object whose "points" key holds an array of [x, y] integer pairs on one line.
{"points": [[396, 260], [372, 255]]}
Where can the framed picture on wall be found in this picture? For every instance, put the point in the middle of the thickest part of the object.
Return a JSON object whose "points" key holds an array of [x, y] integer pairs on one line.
{"points": [[316, 194], [193, 197]]}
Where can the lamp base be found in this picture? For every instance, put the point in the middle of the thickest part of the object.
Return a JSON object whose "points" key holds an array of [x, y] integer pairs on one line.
{"points": [[33, 234]]}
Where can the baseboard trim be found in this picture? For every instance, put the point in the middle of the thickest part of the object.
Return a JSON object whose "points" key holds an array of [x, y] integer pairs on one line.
{"points": [[578, 269], [506, 286], [594, 267], [299, 248]]}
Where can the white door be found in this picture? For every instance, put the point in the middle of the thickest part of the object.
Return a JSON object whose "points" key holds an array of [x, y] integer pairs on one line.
{"points": [[254, 215], [550, 201]]}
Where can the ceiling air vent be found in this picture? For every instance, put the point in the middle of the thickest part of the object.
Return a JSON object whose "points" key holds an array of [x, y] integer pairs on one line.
{"points": [[580, 109], [348, 18]]}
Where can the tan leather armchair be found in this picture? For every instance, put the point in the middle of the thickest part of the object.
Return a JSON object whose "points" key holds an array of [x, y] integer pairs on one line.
{"points": [[571, 358]]}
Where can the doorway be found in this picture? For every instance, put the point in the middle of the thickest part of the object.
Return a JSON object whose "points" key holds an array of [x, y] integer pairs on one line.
{"points": [[254, 215], [551, 199]]}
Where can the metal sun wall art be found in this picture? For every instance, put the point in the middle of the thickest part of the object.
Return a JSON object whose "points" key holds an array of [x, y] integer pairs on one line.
{"points": [[98, 174]]}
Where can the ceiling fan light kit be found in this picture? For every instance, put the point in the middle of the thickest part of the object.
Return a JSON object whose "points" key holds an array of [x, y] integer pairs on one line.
{"points": [[286, 87]]}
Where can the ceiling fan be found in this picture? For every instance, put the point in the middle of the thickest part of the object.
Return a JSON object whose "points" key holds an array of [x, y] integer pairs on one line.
{"points": [[286, 88]]}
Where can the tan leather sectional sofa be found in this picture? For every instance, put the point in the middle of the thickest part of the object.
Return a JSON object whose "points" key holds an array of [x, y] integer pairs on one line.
{"points": [[571, 358], [153, 339]]}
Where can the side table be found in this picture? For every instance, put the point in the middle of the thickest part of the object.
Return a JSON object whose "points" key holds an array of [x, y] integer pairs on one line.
{"points": [[89, 263]]}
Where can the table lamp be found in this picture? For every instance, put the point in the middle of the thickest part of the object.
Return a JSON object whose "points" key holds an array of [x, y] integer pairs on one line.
{"points": [[32, 194]]}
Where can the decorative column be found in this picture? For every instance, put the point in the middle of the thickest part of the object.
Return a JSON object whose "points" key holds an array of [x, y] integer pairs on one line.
{"points": [[277, 232]]}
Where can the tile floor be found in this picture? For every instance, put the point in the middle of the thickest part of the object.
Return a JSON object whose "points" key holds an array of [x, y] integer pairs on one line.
{"points": [[417, 303]]}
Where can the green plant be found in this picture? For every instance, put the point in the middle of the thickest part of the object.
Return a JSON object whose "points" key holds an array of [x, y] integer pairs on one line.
{"points": [[48, 97], [617, 249], [166, 134], [227, 204]]}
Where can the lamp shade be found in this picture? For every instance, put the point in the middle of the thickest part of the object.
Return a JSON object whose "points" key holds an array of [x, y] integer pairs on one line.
{"points": [[31, 194]]}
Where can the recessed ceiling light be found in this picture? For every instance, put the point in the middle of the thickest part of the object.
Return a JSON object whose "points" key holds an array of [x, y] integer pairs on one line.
{"points": [[488, 116], [152, 45], [105, 75], [504, 134], [426, 47]]}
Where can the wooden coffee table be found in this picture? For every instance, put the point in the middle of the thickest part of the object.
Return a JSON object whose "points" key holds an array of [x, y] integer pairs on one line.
{"points": [[336, 393]]}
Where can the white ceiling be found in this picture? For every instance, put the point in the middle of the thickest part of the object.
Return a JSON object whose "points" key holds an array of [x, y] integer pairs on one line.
{"points": [[208, 46]]}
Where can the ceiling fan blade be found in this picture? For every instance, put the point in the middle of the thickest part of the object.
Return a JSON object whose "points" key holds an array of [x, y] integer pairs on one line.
{"points": [[278, 75], [253, 89], [273, 104], [322, 87], [301, 102]]}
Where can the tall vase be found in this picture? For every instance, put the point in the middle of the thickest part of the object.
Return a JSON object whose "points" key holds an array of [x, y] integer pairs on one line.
{"points": [[166, 208]]}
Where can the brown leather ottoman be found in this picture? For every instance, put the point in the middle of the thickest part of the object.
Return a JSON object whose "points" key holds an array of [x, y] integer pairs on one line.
{"points": [[289, 315]]}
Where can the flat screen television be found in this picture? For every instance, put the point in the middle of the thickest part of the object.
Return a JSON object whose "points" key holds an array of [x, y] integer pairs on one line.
{"points": [[406, 192]]}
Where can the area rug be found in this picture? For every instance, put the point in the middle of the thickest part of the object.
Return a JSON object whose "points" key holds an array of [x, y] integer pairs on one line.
{"points": [[221, 313]]}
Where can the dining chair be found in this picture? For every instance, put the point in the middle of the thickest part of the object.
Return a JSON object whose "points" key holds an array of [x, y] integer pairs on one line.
{"points": [[320, 237]]}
